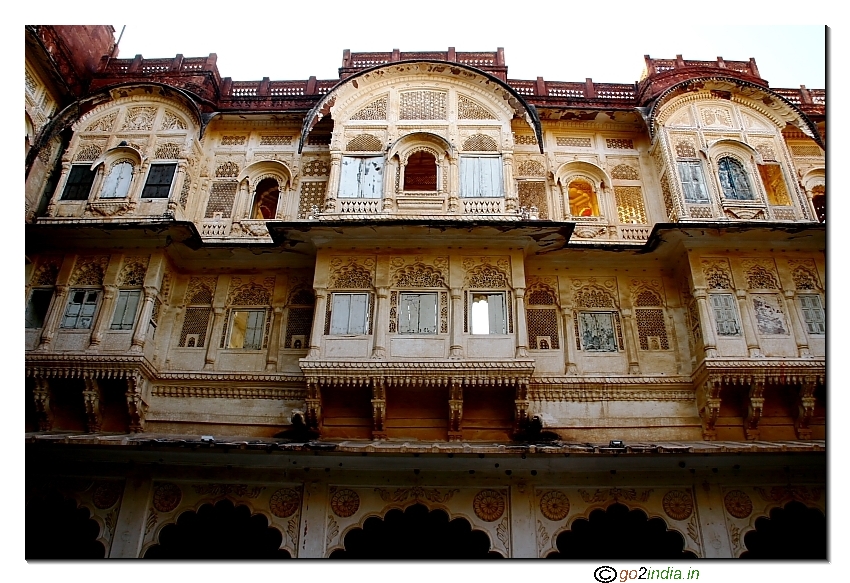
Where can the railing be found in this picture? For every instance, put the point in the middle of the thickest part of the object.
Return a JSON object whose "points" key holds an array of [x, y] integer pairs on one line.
{"points": [[214, 228], [656, 66], [359, 206], [244, 88], [565, 90], [483, 206], [635, 233], [287, 88], [156, 65]]}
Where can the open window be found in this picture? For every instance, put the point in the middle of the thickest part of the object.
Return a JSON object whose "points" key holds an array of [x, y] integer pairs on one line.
{"points": [[265, 199], [246, 329], [125, 309], [361, 177], [582, 199], [82, 305], [349, 313], [488, 314], [160, 179], [79, 182], [37, 306]]}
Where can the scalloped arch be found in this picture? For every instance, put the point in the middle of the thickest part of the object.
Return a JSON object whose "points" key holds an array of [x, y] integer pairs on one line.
{"points": [[578, 168]]}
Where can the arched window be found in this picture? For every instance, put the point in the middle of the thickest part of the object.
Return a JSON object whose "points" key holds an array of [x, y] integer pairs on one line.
{"points": [[582, 199], [420, 173], [733, 180], [117, 183], [819, 202], [265, 199]]}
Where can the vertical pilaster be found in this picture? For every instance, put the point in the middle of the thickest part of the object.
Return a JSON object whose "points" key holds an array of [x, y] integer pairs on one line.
{"points": [[521, 325], [712, 524], [747, 324], [333, 182], [456, 350], [57, 308], [379, 333], [570, 367], [797, 325], [141, 330], [132, 515], [107, 306], [631, 341], [274, 341], [708, 337], [318, 329], [523, 525]]}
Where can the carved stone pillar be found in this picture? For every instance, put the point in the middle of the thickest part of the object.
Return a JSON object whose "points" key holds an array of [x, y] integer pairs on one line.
{"points": [[243, 204], [136, 405], [454, 186], [91, 401], [333, 182], [57, 308], [797, 325], [136, 186], [391, 172], [318, 329], [456, 349], [747, 324], [708, 405], [274, 341], [379, 408], [511, 198], [632, 341], [570, 367], [41, 396], [806, 408], [102, 320], [213, 344], [379, 333], [754, 408], [455, 410], [708, 337], [141, 330], [521, 325]]}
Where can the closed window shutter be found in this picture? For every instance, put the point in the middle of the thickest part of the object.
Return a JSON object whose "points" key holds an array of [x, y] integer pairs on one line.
{"points": [[724, 314], [813, 314], [481, 177], [158, 184], [254, 331], [418, 313], [693, 183], [361, 177]]}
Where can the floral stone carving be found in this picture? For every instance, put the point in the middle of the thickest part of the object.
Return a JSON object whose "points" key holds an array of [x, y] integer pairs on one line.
{"points": [[555, 505], [107, 494], [284, 502], [489, 505], [738, 504], [345, 503], [166, 497], [678, 504]]}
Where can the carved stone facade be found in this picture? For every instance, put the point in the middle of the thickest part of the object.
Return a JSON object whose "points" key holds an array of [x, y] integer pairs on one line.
{"points": [[426, 296]]}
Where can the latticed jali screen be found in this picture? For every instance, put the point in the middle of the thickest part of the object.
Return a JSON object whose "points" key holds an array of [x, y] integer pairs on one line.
{"points": [[533, 193], [195, 323], [312, 193], [652, 333], [298, 323], [221, 199], [422, 105], [542, 323], [630, 204]]}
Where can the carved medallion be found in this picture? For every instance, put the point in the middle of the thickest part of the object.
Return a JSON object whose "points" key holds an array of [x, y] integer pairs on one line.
{"points": [[738, 504], [345, 503], [284, 502], [489, 505], [555, 505], [106, 494], [678, 504], [166, 497]]}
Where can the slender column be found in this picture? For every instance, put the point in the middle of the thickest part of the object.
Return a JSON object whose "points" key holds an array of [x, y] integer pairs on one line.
{"points": [[454, 186], [569, 342], [747, 324], [174, 195], [390, 177], [91, 401], [274, 341], [141, 331], [797, 324], [136, 185], [132, 516], [318, 323], [213, 344], [456, 350], [521, 325], [243, 206], [379, 333], [631, 341], [102, 320], [708, 338], [333, 183], [60, 186], [57, 308], [511, 200]]}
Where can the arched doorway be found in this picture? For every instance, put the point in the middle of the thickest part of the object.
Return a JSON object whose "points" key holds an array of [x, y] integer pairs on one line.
{"points": [[220, 531], [793, 532], [57, 529], [620, 533], [416, 533]]}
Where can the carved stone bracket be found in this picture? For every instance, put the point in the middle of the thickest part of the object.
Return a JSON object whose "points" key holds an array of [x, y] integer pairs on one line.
{"points": [[91, 400], [455, 411], [754, 409], [379, 409], [136, 406], [708, 403], [806, 407], [41, 395]]}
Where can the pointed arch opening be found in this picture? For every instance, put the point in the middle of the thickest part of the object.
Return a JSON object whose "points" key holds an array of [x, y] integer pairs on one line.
{"points": [[219, 531], [416, 533], [57, 529], [620, 533]]}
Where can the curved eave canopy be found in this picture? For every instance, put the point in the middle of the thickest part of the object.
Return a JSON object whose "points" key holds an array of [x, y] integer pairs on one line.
{"points": [[726, 85], [520, 106]]}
